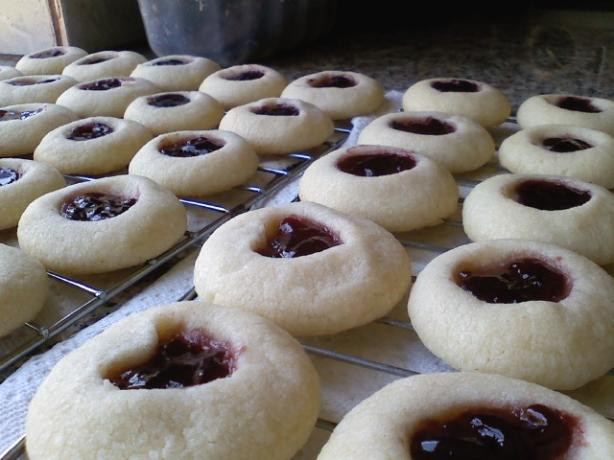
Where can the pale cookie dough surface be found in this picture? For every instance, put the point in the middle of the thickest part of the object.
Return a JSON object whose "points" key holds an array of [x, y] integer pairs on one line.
{"points": [[98, 155], [151, 226], [339, 94], [342, 287], [49, 61], [487, 106], [264, 410], [242, 84], [23, 288], [22, 126], [176, 111], [104, 64], [382, 426], [491, 212], [7, 72], [407, 200], [279, 134], [561, 345], [34, 88], [231, 164], [34, 179], [177, 72], [458, 143], [543, 110], [111, 100]]}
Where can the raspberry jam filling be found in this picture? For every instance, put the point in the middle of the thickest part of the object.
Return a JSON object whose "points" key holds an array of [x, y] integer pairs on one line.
{"points": [[455, 85], [550, 195], [429, 125], [184, 360], [191, 147], [95, 60], [565, 144], [171, 61], [167, 100], [577, 104], [536, 432], [245, 75], [28, 81], [520, 280], [276, 110], [8, 115], [377, 163], [8, 176], [89, 131], [332, 81], [298, 236], [96, 206], [52, 52], [102, 85]]}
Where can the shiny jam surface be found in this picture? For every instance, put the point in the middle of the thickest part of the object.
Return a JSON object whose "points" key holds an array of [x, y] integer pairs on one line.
{"points": [[565, 144], [102, 85], [375, 164], [53, 52], [332, 81], [429, 125], [184, 360], [167, 100], [8, 176], [96, 206], [520, 280], [455, 86], [95, 60], [8, 115], [298, 236], [536, 432], [90, 131], [276, 110], [245, 75], [550, 195], [170, 61], [191, 147], [28, 81], [577, 104]]}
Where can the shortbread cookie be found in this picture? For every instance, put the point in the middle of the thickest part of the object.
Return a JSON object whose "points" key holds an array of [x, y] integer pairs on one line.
{"points": [[21, 182], [102, 225], [519, 308], [310, 269], [182, 381], [104, 64], [49, 61], [184, 110], [176, 72], [34, 88], [196, 163], [278, 126], [479, 101], [92, 146], [570, 213], [108, 97], [7, 72], [23, 126], [23, 288], [564, 109], [398, 189], [469, 416], [456, 142], [339, 94], [562, 150], [245, 83]]}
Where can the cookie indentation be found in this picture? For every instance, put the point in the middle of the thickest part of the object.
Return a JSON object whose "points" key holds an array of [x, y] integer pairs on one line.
{"points": [[28, 81], [90, 131], [577, 104], [53, 52], [332, 81], [96, 206], [8, 176], [167, 100], [550, 195], [102, 85], [375, 164], [455, 85], [429, 125], [184, 360], [193, 147], [244, 76], [94, 60], [276, 110], [170, 61], [8, 115], [565, 144]]}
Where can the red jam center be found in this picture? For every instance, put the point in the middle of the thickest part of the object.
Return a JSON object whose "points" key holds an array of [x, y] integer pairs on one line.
{"points": [[8, 115], [299, 236], [96, 206], [332, 81], [8, 176], [577, 104], [167, 100], [170, 61], [191, 147], [549, 195], [186, 359], [565, 144], [375, 164], [27, 81], [455, 86], [102, 85], [53, 52], [536, 432], [245, 75], [521, 280], [429, 125], [90, 131], [95, 60], [276, 110]]}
